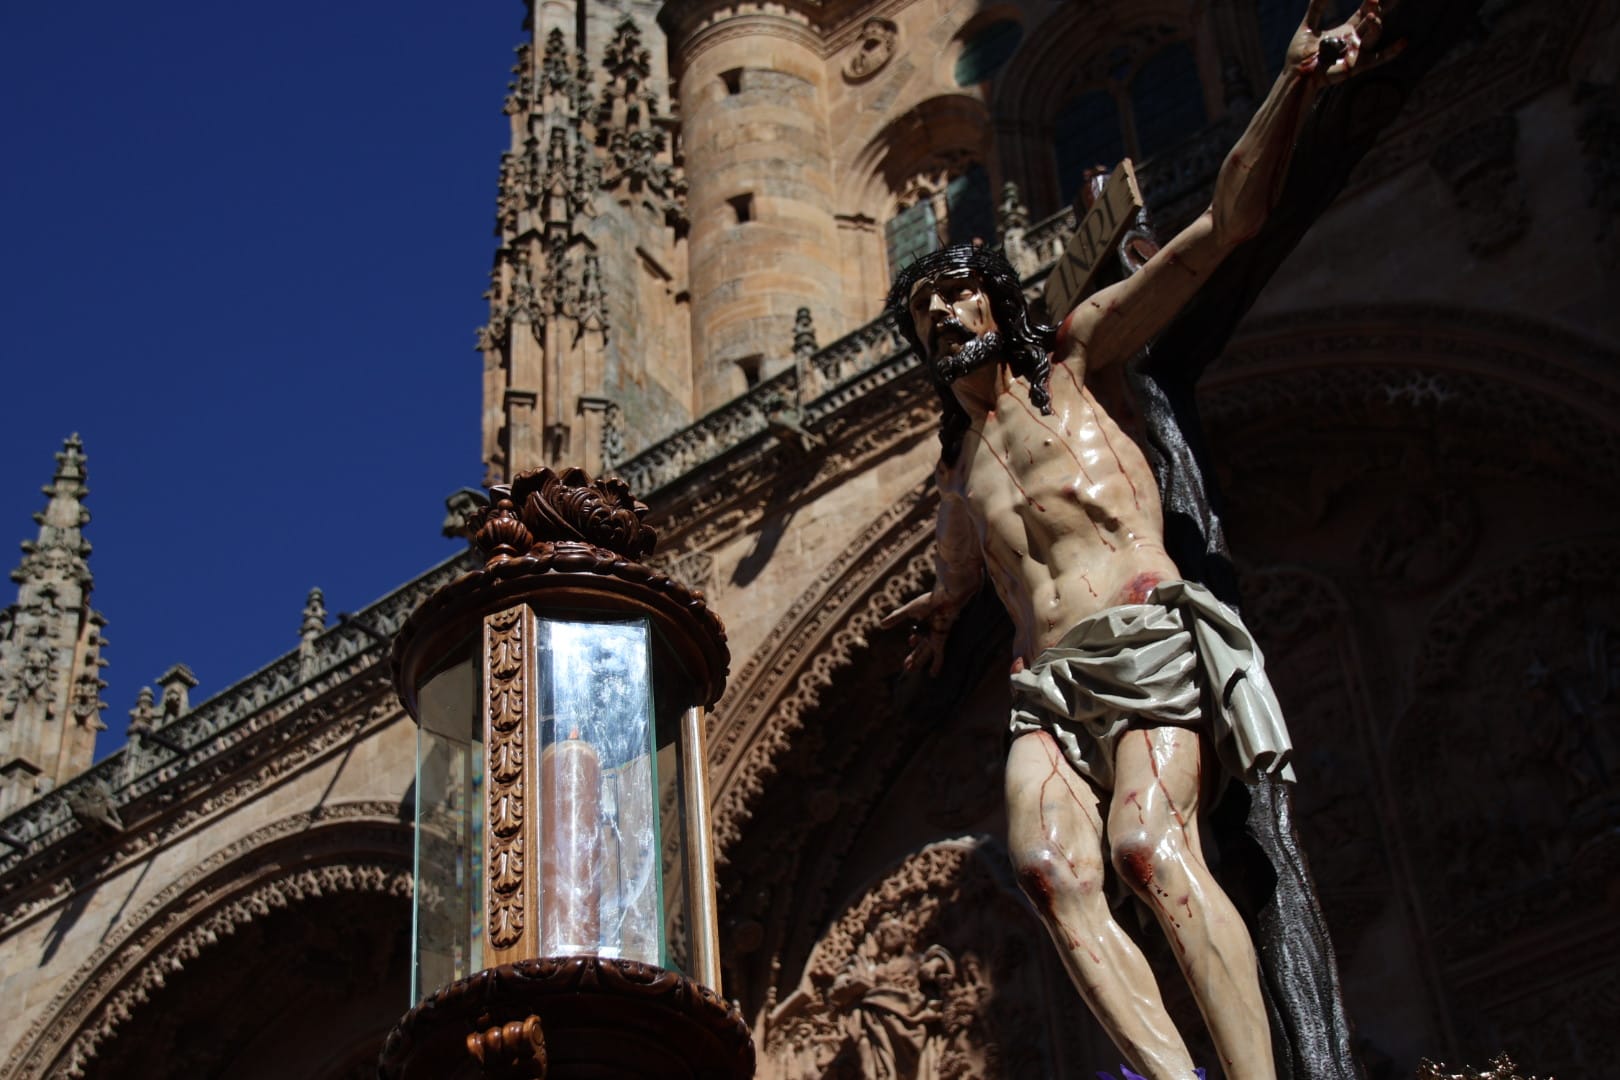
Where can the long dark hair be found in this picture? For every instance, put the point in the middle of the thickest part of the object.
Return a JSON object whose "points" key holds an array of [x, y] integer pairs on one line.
{"points": [[1026, 344]]}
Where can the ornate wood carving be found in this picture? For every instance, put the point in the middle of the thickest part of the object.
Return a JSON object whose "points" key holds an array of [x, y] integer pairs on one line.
{"points": [[549, 509], [511, 1051], [568, 540], [508, 641], [618, 1016]]}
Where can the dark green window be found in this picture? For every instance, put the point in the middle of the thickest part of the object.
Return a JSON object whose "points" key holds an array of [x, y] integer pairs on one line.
{"points": [[969, 215], [986, 51], [911, 234]]}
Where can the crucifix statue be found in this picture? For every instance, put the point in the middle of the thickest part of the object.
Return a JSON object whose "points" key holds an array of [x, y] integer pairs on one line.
{"points": [[1132, 687]]}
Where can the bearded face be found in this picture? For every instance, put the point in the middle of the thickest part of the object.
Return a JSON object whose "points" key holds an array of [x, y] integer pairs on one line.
{"points": [[952, 315]]}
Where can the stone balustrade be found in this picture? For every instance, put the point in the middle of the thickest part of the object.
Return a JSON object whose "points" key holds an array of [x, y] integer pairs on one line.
{"points": [[144, 767]]}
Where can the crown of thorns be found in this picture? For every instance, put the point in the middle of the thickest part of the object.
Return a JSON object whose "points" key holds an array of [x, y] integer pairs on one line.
{"points": [[989, 263]]}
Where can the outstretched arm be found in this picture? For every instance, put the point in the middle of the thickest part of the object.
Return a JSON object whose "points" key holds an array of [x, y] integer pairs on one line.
{"points": [[958, 572], [1114, 323]]}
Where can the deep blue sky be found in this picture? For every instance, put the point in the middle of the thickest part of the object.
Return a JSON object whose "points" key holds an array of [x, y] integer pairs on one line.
{"points": [[242, 253]]}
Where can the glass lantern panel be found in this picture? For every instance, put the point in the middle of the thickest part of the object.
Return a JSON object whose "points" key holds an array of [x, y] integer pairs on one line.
{"points": [[677, 908], [447, 932], [600, 886]]}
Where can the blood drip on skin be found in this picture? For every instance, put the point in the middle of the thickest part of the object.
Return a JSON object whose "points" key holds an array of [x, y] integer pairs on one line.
{"points": [[1136, 591], [1054, 760], [1174, 259], [1137, 866], [1136, 496], [1039, 891], [1078, 463], [1153, 763], [1032, 881], [1036, 417], [1004, 468]]}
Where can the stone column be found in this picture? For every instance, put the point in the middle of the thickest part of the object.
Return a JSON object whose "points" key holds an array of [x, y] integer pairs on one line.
{"points": [[764, 242]]}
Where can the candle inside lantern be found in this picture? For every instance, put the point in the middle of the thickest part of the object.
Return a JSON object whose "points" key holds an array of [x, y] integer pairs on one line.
{"points": [[571, 847]]}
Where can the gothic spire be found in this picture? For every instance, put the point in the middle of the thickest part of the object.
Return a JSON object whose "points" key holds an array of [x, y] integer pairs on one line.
{"points": [[60, 544], [50, 646]]}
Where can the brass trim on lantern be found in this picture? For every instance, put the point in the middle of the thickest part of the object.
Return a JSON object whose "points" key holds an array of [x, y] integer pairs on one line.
{"points": [[510, 827], [700, 851]]}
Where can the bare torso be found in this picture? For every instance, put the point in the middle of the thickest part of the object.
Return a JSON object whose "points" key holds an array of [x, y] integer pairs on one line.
{"points": [[1065, 506]]}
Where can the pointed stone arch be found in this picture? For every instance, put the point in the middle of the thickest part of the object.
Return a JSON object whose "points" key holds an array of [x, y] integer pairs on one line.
{"points": [[822, 634], [1071, 53], [934, 142], [1438, 477], [346, 850]]}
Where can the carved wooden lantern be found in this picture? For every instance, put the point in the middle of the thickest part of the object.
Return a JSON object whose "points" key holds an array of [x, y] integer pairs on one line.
{"points": [[565, 901]]}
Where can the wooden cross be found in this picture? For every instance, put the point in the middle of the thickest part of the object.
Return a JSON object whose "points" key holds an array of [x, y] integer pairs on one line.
{"points": [[1095, 255]]}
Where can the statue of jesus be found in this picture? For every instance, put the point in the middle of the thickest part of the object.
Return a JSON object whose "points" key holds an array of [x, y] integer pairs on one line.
{"points": [[1125, 677]]}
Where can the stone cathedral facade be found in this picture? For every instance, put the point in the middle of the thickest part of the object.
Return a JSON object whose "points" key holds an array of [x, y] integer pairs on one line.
{"points": [[698, 215]]}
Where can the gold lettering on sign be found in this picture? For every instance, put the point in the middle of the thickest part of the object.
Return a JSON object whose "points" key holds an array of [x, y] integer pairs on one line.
{"points": [[506, 650], [1074, 276]]}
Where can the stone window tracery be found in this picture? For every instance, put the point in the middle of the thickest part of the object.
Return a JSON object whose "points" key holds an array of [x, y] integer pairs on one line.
{"points": [[1143, 96], [946, 205]]}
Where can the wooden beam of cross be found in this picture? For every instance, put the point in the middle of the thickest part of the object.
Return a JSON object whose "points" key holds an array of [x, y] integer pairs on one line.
{"points": [[1094, 256]]}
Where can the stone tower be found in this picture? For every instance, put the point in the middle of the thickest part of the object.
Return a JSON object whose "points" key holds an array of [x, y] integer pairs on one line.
{"points": [[754, 121], [50, 647], [586, 353]]}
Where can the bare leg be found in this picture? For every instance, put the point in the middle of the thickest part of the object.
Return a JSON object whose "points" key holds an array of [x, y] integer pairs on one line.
{"points": [[1055, 836], [1153, 834]]}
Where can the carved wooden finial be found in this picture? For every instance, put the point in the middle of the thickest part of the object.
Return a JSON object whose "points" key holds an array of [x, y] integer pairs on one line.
{"points": [[540, 509]]}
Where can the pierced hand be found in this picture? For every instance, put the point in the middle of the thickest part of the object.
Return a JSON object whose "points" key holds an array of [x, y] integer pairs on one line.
{"points": [[1334, 55], [932, 627]]}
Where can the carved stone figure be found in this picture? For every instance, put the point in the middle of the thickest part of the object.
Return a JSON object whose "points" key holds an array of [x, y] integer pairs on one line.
{"points": [[1123, 672], [878, 38], [893, 1019], [927, 976]]}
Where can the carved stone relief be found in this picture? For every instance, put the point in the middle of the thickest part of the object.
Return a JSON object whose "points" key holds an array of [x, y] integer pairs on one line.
{"points": [[936, 973], [1473, 729], [873, 51], [1480, 166], [1517, 694]]}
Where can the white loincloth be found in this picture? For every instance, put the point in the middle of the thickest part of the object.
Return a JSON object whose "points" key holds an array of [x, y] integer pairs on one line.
{"points": [[1138, 666]]}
